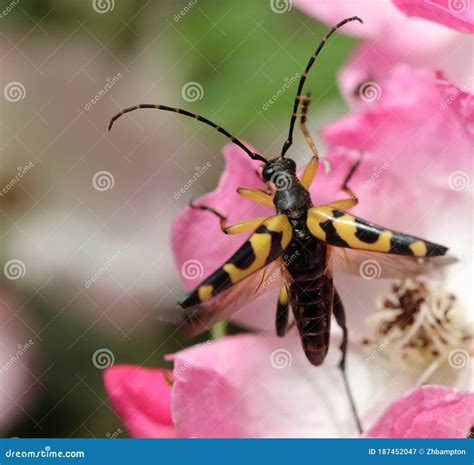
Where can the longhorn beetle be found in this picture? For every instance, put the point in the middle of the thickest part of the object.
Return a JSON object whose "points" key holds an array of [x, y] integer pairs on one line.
{"points": [[302, 240]]}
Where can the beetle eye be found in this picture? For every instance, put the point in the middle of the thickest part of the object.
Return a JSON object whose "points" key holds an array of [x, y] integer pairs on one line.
{"points": [[267, 172]]}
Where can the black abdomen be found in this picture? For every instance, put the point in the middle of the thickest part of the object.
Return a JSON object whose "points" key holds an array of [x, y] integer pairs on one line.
{"points": [[311, 295]]}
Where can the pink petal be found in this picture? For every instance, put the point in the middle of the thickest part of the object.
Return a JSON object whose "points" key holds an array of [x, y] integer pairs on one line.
{"points": [[456, 14], [254, 386], [142, 398], [427, 412], [391, 39], [381, 19], [373, 60], [461, 103]]}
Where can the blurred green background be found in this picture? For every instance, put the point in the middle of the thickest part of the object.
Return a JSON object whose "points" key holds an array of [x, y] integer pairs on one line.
{"points": [[64, 231]]}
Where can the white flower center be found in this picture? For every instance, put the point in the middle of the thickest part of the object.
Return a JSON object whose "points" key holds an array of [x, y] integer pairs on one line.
{"points": [[420, 328]]}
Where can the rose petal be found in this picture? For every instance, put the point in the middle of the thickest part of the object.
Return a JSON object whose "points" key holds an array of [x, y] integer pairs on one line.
{"points": [[427, 412], [373, 60], [456, 14], [391, 39], [461, 103], [142, 398], [255, 386], [381, 19]]}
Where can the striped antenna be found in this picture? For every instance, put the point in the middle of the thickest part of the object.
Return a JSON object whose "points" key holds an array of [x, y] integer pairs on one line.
{"points": [[294, 115], [252, 155]]}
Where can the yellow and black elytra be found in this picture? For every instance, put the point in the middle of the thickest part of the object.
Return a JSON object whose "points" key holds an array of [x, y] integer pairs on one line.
{"points": [[295, 248]]}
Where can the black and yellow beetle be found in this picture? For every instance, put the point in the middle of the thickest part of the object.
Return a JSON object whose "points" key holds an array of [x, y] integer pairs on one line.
{"points": [[301, 241]]}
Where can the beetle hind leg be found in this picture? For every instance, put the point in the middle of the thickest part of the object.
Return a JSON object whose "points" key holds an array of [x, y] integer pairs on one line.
{"points": [[283, 309], [346, 204], [340, 316]]}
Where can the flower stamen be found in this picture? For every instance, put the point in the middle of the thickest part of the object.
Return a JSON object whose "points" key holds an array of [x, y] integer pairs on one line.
{"points": [[420, 326]]}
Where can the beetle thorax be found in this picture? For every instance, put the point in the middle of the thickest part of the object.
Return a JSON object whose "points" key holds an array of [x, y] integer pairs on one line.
{"points": [[292, 199]]}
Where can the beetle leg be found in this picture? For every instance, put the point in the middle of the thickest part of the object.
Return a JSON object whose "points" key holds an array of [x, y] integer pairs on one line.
{"points": [[312, 167], [237, 228], [345, 184], [256, 195], [346, 204], [340, 316], [282, 312]]}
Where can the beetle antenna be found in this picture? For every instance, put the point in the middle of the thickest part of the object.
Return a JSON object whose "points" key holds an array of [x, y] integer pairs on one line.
{"points": [[294, 115], [252, 155]]}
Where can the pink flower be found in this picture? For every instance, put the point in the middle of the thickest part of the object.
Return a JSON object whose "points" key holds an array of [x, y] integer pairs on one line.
{"points": [[391, 38], [456, 14], [427, 412], [275, 393], [142, 398]]}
